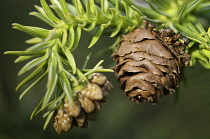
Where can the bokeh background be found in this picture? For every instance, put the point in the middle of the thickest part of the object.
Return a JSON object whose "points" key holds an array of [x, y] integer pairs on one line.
{"points": [[182, 115]]}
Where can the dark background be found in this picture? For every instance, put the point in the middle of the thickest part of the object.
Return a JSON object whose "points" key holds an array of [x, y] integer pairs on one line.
{"points": [[182, 115]]}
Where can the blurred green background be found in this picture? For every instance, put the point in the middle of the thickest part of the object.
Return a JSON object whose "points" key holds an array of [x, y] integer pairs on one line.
{"points": [[186, 118]]}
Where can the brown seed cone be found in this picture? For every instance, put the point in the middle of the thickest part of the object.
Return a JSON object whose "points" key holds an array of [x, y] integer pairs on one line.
{"points": [[149, 63]]}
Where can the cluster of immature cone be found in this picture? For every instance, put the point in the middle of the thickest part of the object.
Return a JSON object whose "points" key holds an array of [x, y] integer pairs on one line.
{"points": [[149, 63], [87, 101]]}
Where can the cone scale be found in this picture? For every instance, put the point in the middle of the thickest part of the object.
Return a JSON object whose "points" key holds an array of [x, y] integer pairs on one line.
{"points": [[150, 63]]}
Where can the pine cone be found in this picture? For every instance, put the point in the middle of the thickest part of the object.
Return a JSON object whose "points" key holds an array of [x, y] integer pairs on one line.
{"points": [[149, 63], [86, 102]]}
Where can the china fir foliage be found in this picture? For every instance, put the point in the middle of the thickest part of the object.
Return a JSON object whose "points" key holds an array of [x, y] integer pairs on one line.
{"points": [[51, 55]]}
